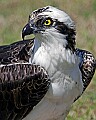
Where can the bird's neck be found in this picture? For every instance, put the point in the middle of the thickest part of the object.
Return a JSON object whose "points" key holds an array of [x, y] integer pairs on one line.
{"points": [[54, 56], [58, 50]]}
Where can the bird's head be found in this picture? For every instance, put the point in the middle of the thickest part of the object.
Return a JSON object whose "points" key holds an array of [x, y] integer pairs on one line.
{"points": [[50, 24]]}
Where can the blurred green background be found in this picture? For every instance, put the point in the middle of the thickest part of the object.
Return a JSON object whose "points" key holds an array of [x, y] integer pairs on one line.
{"points": [[14, 15]]}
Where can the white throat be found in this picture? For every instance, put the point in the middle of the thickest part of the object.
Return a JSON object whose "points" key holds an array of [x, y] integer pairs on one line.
{"points": [[54, 56]]}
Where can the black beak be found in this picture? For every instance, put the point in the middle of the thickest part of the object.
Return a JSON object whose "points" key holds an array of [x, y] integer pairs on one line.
{"points": [[27, 30]]}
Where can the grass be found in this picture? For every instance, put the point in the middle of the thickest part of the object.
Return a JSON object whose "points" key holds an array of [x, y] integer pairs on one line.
{"points": [[14, 15]]}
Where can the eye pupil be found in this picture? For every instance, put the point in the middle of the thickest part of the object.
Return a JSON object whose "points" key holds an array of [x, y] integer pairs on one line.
{"points": [[47, 21]]}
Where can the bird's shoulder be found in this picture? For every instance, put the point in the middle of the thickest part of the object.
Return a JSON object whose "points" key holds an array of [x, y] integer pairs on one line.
{"points": [[16, 52], [87, 66]]}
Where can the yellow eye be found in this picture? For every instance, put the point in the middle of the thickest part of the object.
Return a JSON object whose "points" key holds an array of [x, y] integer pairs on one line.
{"points": [[48, 22]]}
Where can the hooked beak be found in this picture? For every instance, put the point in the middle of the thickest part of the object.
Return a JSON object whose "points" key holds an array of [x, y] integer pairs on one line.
{"points": [[27, 30]]}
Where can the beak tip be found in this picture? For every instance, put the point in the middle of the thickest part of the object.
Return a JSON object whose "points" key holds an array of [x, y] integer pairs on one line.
{"points": [[23, 32], [26, 31], [23, 35]]}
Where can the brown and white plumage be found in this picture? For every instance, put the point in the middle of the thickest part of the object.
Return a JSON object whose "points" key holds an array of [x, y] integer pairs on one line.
{"points": [[22, 85], [16, 52], [87, 66]]}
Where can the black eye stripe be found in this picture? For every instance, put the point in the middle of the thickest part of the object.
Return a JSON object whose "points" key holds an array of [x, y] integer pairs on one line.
{"points": [[40, 22], [64, 29]]}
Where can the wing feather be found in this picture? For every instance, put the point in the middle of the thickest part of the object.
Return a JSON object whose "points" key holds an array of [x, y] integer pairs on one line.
{"points": [[16, 52], [22, 86], [87, 66]]}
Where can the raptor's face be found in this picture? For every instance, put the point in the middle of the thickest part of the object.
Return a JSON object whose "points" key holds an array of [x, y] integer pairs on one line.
{"points": [[48, 22]]}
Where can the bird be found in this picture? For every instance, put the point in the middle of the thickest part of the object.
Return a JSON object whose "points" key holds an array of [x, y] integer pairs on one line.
{"points": [[41, 78]]}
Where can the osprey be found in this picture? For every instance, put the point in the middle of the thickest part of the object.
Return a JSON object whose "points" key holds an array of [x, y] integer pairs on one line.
{"points": [[41, 78]]}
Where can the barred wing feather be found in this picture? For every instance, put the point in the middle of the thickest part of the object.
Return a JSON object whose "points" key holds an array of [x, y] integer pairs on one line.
{"points": [[22, 86]]}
